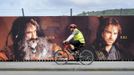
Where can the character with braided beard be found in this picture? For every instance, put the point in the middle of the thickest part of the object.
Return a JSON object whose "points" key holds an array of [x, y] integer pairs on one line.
{"points": [[29, 42]]}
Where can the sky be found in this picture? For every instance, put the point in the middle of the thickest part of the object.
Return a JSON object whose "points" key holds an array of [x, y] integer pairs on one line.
{"points": [[59, 7]]}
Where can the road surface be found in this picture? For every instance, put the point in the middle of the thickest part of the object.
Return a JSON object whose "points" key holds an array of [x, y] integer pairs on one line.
{"points": [[51, 68]]}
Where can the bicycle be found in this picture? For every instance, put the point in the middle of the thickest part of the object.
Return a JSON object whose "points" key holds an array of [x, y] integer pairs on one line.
{"points": [[83, 55]]}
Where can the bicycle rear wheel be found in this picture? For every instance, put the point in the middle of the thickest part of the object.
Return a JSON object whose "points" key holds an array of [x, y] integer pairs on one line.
{"points": [[61, 57], [86, 57]]}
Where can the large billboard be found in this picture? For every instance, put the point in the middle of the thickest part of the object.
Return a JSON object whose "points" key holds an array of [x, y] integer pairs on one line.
{"points": [[98, 38]]}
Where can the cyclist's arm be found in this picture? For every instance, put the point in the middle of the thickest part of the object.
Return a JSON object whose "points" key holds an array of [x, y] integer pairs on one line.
{"points": [[71, 36]]}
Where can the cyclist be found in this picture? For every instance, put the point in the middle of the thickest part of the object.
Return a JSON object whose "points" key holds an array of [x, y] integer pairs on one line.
{"points": [[76, 38]]}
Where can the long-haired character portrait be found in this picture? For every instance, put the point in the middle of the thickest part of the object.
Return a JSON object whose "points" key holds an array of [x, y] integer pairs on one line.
{"points": [[106, 45], [29, 42]]}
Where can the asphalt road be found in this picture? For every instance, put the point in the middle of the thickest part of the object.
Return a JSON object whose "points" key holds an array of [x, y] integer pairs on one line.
{"points": [[51, 68], [66, 73]]}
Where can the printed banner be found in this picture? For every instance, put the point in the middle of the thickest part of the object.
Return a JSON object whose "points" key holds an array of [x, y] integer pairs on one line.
{"points": [[67, 38]]}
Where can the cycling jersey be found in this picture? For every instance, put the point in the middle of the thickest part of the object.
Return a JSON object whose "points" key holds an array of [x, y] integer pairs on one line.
{"points": [[76, 36]]}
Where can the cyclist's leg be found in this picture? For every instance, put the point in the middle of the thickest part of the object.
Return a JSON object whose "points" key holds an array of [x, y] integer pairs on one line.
{"points": [[75, 43], [77, 48]]}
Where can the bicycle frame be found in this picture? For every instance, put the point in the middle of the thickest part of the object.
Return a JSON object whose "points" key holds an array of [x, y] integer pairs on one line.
{"points": [[67, 48], [63, 56]]}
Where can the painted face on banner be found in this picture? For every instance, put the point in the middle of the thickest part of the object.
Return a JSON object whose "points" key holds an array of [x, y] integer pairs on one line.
{"points": [[110, 34], [31, 32]]}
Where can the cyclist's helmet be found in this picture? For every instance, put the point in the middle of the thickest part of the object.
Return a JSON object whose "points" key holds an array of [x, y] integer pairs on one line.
{"points": [[73, 26]]}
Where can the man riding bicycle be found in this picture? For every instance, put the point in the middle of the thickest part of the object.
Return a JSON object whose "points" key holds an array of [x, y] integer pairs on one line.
{"points": [[76, 38], [78, 53]]}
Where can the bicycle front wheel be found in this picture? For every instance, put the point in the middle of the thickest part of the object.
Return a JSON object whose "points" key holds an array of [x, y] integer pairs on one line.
{"points": [[86, 57], [61, 57]]}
